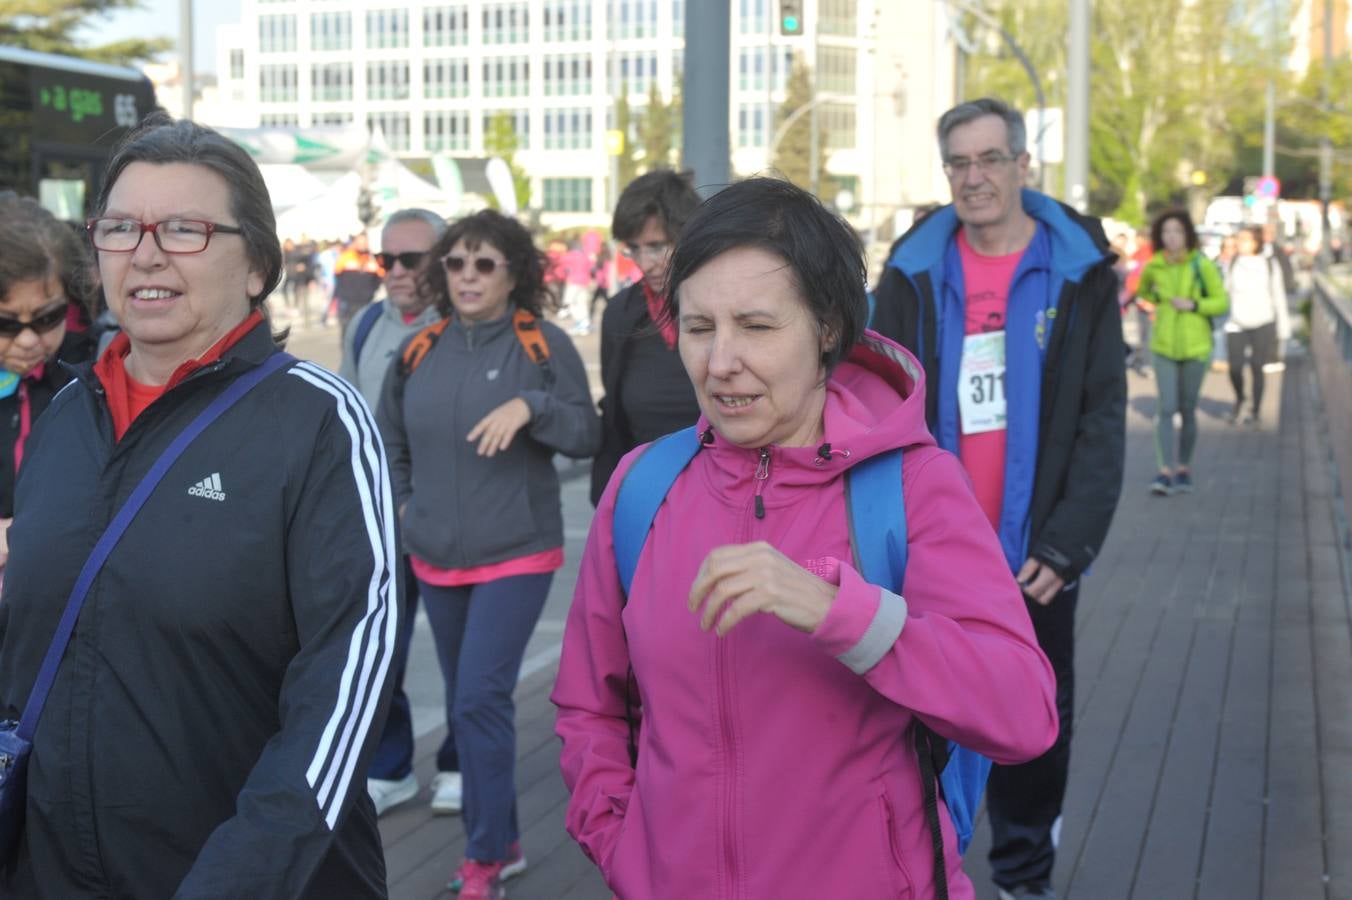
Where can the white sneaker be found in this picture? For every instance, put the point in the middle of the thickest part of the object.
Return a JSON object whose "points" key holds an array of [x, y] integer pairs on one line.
{"points": [[447, 793], [386, 794]]}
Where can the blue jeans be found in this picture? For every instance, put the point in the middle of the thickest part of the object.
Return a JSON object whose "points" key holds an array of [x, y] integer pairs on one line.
{"points": [[393, 758], [481, 632]]}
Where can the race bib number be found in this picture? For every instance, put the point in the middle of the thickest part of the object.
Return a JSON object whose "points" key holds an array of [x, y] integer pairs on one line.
{"points": [[981, 383]]}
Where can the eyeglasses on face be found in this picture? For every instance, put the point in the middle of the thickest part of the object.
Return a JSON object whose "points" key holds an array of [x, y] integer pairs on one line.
{"points": [[484, 265], [409, 260], [958, 166], [41, 323], [655, 250], [171, 236]]}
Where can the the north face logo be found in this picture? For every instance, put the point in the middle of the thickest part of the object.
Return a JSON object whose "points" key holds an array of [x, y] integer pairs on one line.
{"points": [[209, 487]]}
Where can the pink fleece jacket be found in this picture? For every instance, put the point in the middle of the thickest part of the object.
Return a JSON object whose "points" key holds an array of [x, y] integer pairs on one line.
{"points": [[772, 763]]}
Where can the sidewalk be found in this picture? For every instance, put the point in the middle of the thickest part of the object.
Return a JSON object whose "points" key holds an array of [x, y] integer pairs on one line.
{"points": [[1213, 749]]}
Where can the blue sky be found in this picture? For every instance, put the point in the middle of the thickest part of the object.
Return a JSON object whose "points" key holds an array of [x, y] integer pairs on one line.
{"points": [[160, 17]]}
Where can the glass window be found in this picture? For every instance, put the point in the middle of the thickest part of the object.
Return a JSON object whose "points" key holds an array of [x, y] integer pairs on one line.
{"points": [[506, 76], [751, 125], [753, 16], [279, 120], [568, 194], [836, 69], [386, 28], [445, 78], [331, 82], [332, 118], [394, 125], [277, 84], [520, 125], [331, 31], [838, 124], [387, 80], [567, 20], [568, 129], [445, 130], [568, 75], [506, 22], [838, 17], [236, 64], [636, 70], [632, 18], [445, 26], [276, 34]]}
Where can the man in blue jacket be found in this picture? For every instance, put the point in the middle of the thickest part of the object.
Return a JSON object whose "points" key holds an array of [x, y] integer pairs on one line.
{"points": [[1009, 300]]}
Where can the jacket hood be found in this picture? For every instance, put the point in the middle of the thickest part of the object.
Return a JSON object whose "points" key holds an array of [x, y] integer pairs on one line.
{"points": [[875, 402], [1077, 242]]}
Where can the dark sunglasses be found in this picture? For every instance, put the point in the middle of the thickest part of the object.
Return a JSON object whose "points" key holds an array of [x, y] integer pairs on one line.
{"points": [[410, 260], [482, 264], [41, 323]]}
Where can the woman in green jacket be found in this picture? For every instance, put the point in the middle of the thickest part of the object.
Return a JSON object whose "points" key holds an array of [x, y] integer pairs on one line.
{"points": [[1185, 290]]}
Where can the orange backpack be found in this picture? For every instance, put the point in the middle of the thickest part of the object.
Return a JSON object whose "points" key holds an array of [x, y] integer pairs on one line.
{"points": [[524, 322]]}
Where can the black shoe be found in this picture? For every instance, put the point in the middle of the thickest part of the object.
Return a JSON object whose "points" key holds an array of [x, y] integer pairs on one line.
{"points": [[1162, 486], [1183, 483]]}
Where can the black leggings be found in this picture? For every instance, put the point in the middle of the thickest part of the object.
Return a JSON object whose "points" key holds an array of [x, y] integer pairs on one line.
{"points": [[1260, 346]]}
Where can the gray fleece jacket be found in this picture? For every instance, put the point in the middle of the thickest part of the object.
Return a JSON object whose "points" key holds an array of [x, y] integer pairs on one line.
{"points": [[463, 509], [387, 335]]}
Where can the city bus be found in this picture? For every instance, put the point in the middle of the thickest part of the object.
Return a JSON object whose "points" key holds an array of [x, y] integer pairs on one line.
{"points": [[60, 118]]}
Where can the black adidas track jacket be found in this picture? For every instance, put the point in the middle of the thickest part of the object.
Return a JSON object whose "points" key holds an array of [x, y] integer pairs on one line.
{"points": [[210, 726]]}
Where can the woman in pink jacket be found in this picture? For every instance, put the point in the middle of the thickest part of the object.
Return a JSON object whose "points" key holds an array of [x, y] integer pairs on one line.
{"points": [[776, 686]]}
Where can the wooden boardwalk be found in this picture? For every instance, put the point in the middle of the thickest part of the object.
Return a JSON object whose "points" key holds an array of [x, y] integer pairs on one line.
{"points": [[1213, 748]]}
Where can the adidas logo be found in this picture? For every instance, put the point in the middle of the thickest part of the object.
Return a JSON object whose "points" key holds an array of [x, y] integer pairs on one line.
{"points": [[209, 487]]}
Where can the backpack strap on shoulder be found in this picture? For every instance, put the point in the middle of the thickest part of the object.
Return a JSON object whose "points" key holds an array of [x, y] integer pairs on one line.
{"points": [[365, 323], [644, 488], [527, 327], [421, 345], [877, 517]]}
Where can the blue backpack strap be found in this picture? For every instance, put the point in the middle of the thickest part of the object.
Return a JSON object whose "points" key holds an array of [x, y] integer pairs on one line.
{"points": [[644, 488], [369, 317], [877, 512]]}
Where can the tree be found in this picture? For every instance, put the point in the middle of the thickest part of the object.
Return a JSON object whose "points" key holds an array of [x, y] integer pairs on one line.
{"points": [[500, 140], [656, 130], [50, 26], [792, 157], [624, 123]]}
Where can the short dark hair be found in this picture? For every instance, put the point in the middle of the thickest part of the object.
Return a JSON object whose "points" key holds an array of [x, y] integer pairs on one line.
{"points": [[525, 262], [1015, 130], [1157, 228], [663, 194], [35, 245], [161, 139], [822, 252]]}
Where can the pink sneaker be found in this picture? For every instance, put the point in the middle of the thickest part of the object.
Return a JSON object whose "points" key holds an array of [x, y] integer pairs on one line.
{"points": [[512, 866], [480, 881]]}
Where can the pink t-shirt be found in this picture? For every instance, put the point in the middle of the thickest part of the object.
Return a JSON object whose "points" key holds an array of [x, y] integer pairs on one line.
{"points": [[987, 280], [534, 564]]}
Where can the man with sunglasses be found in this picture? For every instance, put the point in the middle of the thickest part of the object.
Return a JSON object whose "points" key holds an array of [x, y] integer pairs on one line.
{"points": [[1010, 301], [370, 346]]}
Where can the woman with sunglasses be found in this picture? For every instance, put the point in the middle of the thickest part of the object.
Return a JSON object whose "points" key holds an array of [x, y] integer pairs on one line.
{"points": [[647, 393], [44, 270], [472, 416], [212, 718]]}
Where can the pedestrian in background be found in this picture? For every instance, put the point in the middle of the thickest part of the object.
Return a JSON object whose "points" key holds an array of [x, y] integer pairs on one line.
{"points": [[370, 347], [356, 278], [647, 391], [1010, 301], [472, 419], [211, 720], [776, 688], [1185, 291], [44, 269], [1259, 320]]}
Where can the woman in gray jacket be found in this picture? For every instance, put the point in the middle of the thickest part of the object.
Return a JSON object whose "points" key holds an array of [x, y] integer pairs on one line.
{"points": [[472, 415], [1259, 320]]}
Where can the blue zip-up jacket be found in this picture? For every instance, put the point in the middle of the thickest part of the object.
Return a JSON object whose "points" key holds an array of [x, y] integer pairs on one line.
{"points": [[1065, 380]]}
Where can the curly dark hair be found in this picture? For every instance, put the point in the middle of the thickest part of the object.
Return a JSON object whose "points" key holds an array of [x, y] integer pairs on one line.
{"points": [[34, 244], [1157, 228], [525, 262]]}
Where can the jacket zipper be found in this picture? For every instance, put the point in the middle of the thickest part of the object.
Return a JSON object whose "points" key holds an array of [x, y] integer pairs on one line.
{"points": [[762, 475]]}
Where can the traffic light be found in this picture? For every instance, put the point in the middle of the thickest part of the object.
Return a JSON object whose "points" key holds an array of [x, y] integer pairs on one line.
{"points": [[791, 17], [366, 206]]}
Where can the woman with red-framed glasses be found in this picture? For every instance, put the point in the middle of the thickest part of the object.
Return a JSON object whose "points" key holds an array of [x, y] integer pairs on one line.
{"points": [[44, 269]]}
